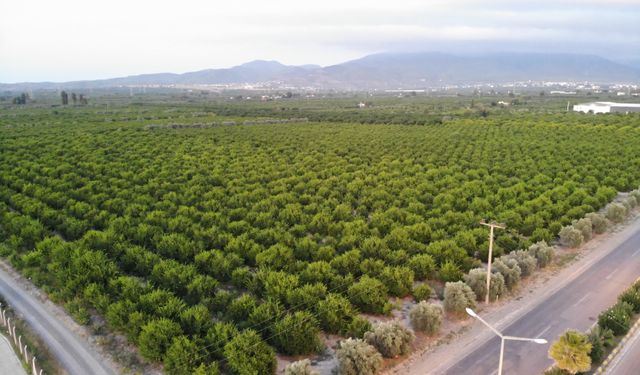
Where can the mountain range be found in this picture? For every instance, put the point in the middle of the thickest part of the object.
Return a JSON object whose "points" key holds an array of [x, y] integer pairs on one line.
{"points": [[385, 71]]}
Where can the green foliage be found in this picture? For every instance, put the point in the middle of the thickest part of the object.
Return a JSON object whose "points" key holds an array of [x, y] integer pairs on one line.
{"points": [[247, 354], [297, 333], [358, 327], [450, 272], [357, 357], [426, 317], [182, 357], [391, 339], [219, 228], [399, 280], [422, 292], [617, 318], [423, 266], [369, 294], [600, 339], [458, 296], [571, 352], [335, 313], [156, 337], [632, 297]]}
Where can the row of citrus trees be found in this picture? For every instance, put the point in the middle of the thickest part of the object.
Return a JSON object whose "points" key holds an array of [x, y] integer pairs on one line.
{"points": [[208, 246]]}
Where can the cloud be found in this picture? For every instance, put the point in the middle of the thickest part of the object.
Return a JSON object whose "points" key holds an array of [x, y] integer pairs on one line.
{"points": [[80, 39]]}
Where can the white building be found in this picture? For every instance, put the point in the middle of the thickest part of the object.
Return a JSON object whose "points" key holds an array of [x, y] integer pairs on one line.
{"points": [[606, 107]]}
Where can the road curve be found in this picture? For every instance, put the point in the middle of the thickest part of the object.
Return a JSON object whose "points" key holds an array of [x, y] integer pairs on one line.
{"points": [[73, 353]]}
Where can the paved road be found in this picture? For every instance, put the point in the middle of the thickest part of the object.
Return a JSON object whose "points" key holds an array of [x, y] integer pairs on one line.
{"points": [[9, 362], [71, 351], [628, 359], [577, 306]]}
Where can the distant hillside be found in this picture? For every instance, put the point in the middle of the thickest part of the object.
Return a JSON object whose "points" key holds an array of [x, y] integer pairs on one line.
{"points": [[388, 70]]}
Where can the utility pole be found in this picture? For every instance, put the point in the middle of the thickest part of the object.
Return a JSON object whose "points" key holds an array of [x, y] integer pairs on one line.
{"points": [[491, 226]]}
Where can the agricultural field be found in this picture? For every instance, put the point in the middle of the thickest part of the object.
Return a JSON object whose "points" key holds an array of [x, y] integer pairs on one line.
{"points": [[216, 244]]}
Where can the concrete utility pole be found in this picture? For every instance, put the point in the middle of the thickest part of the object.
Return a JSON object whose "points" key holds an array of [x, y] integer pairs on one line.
{"points": [[491, 226]]}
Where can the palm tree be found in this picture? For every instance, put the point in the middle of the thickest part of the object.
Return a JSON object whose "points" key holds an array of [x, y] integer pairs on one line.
{"points": [[571, 352]]}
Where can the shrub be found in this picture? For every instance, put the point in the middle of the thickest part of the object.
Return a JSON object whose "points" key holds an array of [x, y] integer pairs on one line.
{"points": [[297, 334], [423, 266], [156, 337], [571, 352], [458, 296], [509, 269], [526, 261], [570, 236], [399, 280], [542, 252], [426, 317], [617, 318], [391, 339], [616, 212], [302, 367], [358, 327], [422, 292], [631, 201], [356, 357], [476, 279], [449, 271], [335, 313], [369, 294], [585, 227], [248, 354], [598, 222], [632, 297], [556, 371], [600, 339]]}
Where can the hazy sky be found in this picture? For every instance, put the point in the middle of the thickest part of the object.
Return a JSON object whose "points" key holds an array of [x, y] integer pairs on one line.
{"points": [[73, 39]]}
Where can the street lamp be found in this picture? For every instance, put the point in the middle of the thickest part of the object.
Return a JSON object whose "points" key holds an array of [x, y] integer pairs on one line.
{"points": [[503, 338]]}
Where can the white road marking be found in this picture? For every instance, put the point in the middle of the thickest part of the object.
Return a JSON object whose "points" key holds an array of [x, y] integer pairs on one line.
{"points": [[636, 253], [583, 298], [539, 335], [611, 274]]}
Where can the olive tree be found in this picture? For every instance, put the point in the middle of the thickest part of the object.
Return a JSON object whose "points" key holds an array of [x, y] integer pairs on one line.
{"points": [[598, 222], [458, 296], [426, 317], [357, 357], [509, 269], [302, 367], [570, 236], [476, 279], [585, 226], [391, 339], [526, 261], [616, 212], [542, 252]]}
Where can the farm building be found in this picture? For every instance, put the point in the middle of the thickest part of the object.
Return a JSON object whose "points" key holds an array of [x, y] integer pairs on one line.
{"points": [[607, 107]]}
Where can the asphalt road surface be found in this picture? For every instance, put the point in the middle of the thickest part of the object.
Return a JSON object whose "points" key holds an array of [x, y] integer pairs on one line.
{"points": [[576, 306], [72, 352], [628, 359]]}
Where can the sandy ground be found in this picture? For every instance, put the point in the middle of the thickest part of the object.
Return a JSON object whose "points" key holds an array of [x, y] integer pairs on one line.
{"points": [[9, 362]]}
